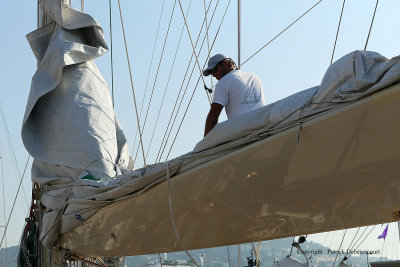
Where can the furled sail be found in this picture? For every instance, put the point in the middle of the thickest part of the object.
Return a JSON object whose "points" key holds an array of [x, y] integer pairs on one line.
{"points": [[81, 156], [69, 126]]}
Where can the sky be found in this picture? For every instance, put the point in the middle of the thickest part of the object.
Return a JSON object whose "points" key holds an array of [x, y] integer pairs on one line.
{"points": [[295, 61]]}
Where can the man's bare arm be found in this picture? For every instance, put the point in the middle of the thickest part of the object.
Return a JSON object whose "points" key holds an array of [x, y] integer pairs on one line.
{"points": [[212, 117]]}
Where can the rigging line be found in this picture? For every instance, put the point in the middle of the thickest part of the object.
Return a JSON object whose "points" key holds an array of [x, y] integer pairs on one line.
{"points": [[13, 157], [166, 87], [229, 256], [281, 32], [111, 53], [323, 243], [208, 41], [159, 258], [194, 49], [198, 80], [365, 229], [130, 75], [370, 27], [291, 247], [205, 18], [15, 200], [163, 145], [358, 239], [148, 73], [365, 237], [171, 213], [344, 234], [337, 32], [38, 8], [4, 198], [354, 238], [158, 69]]}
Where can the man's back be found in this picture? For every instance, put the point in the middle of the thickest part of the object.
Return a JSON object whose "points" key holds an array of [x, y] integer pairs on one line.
{"points": [[239, 92]]}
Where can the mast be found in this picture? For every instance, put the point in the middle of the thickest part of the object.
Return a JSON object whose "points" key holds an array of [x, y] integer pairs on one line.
{"points": [[239, 11]]}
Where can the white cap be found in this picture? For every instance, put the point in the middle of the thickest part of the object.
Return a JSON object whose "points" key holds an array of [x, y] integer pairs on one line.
{"points": [[212, 62]]}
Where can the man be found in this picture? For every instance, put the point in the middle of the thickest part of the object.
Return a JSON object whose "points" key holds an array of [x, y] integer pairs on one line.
{"points": [[239, 92]]}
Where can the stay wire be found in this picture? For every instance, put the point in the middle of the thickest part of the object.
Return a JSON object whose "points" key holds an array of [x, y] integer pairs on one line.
{"points": [[194, 49], [166, 87], [194, 90], [337, 254], [165, 137], [281, 32], [11, 148], [350, 247], [4, 198], [337, 32], [15, 200], [356, 247], [208, 41], [111, 52], [370, 27], [158, 69], [171, 213], [198, 80], [148, 73], [131, 79]]}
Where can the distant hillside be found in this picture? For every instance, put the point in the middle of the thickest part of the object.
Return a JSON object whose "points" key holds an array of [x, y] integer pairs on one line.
{"points": [[270, 251], [8, 257]]}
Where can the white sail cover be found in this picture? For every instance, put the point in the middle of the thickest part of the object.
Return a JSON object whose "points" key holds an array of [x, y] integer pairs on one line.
{"points": [[79, 150]]}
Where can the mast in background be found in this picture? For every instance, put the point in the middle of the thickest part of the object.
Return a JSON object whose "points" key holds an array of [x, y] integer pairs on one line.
{"points": [[239, 11]]}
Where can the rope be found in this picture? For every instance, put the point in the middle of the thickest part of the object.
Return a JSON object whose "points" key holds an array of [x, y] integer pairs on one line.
{"points": [[281, 32], [173, 219], [111, 52], [4, 198], [354, 237], [198, 80], [291, 247], [165, 137], [194, 49], [365, 237], [208, 41], [158, 69], [370, 27], [166, 87], [229, 256], [148, 73], [337, 32], [15, 200], [13, 157], [344, 234], [159, 257], [131, 79]]}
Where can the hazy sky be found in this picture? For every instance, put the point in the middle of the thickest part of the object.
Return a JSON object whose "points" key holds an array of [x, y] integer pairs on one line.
{"points": [[295, 61]]}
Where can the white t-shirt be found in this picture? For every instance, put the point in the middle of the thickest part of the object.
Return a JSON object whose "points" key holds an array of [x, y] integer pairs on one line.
{"points": [[239, 92]]}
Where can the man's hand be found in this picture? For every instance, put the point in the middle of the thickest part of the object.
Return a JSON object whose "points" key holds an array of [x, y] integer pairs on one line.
{"points": [[212, 117]]}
